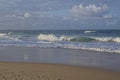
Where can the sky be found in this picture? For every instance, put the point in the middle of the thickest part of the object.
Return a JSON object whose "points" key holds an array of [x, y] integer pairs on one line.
{"points": [[59, 14]]}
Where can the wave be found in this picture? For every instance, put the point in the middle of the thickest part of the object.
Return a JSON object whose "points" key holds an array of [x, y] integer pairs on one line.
{"points": [[89, 31], [9, 36], [5, 34], [2, 34], [102, 44], [108, 39], [51, 37], [93, 46], [56, 38]]}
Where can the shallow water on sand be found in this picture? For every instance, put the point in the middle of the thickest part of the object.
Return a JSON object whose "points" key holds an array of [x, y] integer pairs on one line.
{"points": [[61, 56]]}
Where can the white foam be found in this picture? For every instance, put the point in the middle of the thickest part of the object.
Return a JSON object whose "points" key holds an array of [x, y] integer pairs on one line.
{"points": [[104, 39], [51, 37], [7, 37], [107, 39], [95, 46], [2, 34], [5, 34], [89, 31], [102, 44], [9, 33], [116, 39], [101, 47]]}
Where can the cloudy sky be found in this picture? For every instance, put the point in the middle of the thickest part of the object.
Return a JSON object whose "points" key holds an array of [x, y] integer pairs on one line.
{"points": [[59, 14]]}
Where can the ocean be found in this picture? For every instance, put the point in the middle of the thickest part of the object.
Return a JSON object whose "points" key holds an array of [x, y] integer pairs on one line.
{"points": [[95, 40]]}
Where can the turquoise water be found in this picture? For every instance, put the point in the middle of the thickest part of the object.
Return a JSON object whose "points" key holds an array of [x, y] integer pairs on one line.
{"points": [[97, 40]]}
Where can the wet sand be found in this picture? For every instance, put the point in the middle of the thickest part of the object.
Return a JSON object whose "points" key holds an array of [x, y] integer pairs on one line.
{"points": [[31, 63], [33, 71], [109, 61]]}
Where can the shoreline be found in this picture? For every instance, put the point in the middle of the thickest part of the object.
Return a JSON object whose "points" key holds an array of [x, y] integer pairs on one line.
{"points": [[35, 71], [70, 57], [31, 63], [91, 50], [88, 50]]}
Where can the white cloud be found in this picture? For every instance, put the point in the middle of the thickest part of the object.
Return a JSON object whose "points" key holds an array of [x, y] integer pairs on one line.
{"points": [[90, 10], [26, 15]]}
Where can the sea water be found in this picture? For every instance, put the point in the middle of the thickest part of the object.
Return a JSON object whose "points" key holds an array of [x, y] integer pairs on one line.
{"points": [[95, 40]]}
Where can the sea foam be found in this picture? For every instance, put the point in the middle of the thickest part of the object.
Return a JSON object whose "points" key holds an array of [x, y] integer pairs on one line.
{"points": [[99, 41], [89, 31], [51, 37], [107, 39], [2, 34]]}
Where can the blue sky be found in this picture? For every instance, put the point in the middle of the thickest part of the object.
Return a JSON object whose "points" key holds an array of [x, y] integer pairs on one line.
{"points": [[59, 14]]}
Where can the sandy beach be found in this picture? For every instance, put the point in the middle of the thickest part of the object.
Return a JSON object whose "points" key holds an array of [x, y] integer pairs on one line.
{"points": [[30, 63], [33, 71]]}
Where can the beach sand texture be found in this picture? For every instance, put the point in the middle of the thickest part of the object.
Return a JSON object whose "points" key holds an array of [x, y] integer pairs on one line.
{"points": [[33, 71]]}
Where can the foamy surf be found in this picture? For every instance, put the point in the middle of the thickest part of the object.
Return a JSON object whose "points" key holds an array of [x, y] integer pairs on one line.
{"points": [[103, 41], [108, 39], [2, 34], [89, 31], [52, 37]]}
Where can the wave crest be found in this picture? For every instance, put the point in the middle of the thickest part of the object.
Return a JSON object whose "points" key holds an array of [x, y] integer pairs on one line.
{"points": [[89, 31], [51, 37], [108, 39], [2, 34]]}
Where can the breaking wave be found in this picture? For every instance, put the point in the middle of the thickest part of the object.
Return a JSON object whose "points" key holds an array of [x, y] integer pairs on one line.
{"points": [[89, 31], [108, 39], [52, 37], [8, 36], [53, 40], [2, 34], [5, 34]]}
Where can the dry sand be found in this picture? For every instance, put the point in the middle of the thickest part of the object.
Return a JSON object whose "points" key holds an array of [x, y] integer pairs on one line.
{"points": [[33, 71]]}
